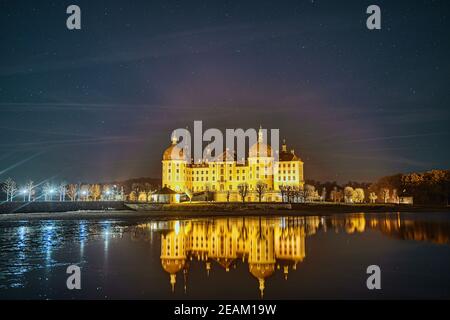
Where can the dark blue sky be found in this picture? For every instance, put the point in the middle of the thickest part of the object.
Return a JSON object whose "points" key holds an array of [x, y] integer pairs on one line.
{"points": [[100, 103]]}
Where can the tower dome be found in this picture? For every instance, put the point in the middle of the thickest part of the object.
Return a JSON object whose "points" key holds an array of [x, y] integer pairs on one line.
{"points": [[174, 152], [260, 148]]}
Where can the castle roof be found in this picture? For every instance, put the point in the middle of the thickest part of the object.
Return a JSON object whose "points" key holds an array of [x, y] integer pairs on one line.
{"points": [[165, 191], [260, 149], [226, 156], [285, 155], [174, 152], [288, 156]]}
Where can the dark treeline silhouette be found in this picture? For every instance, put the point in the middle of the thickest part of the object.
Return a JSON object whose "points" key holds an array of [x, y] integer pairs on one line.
{"points": [[143, 184], [426, 188], [431, 187]]}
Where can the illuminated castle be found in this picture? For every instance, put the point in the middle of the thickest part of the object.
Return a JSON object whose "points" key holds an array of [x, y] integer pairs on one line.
{"points": [[225, 175]]}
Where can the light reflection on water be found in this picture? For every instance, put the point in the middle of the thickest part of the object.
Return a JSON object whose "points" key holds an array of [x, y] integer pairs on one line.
{"points": [[279, 256]]}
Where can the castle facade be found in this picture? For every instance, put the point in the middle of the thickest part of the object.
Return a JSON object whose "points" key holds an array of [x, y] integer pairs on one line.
{"points": [[224, 176]]}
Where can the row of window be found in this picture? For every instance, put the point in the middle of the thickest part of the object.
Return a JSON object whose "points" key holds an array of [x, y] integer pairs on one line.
{"points": [[222, 171], [280, 164], [288, 178], [206, 179]]}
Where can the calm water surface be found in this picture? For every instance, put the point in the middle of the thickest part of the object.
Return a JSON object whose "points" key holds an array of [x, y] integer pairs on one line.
{"points": [[305, 257]]}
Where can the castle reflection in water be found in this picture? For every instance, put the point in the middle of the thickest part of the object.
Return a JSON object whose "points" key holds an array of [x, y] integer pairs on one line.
{"points": [[268, 245]]}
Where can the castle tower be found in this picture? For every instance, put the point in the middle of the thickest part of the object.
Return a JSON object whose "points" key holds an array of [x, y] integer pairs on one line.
{"points": [[261, 163], [174, 165]]}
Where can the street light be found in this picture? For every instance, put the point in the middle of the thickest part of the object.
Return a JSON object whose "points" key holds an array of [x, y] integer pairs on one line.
{"points": [[24, 192], [107, 193], [50, 191]]}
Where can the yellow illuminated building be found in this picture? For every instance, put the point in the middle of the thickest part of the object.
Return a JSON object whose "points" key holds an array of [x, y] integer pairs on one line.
{"points": [[225, 174]]}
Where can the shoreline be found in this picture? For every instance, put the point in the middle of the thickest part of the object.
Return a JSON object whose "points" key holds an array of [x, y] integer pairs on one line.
{"points": [[211, 210]]}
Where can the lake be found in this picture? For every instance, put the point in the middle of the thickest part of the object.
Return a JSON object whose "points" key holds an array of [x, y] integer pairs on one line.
{"points": [[302, 257]]}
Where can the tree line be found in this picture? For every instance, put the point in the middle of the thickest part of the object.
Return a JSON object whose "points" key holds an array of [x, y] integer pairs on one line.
{"points": [[47, 191], [428, 188]]}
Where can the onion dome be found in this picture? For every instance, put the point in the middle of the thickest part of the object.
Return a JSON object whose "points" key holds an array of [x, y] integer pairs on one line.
{"points": [[260, 149], [174, 152]]}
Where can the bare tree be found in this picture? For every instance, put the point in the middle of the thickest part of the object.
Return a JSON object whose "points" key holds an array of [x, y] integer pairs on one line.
{"points": [[62, 189], [297, 193], [48, 191], [334, 194], [385, 194], [243, 191], [107, 192], [310, 193], [84, 192], [323, 196], [135, 190], [395, 198], [348, 194], [228, 195], [147, 188], [96, 191], [72, 191], [29, 187], [6, 185], [260, 189], [283, 191], [10, 188], [291, 193], [358, 195], [301, 195]]}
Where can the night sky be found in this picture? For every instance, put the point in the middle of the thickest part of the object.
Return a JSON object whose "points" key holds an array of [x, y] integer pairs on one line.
{"points": [[99, 104]]}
